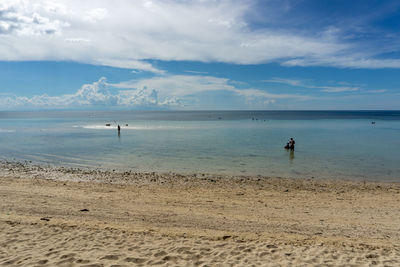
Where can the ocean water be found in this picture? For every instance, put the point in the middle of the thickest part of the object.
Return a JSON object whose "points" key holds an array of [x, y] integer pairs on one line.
{"points": [[329, 144]]}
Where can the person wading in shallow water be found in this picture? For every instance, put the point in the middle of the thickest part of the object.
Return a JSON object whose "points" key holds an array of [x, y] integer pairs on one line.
{"points": [[291, 144], [287, 146]]}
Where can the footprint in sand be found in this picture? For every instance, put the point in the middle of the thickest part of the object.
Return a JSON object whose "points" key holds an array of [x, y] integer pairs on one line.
{"points": [[134, 260], [70, 255], [82, 261], [183, 249], [160, 254], [42, 262], [66, 261], [110, 257], [170, 258]]}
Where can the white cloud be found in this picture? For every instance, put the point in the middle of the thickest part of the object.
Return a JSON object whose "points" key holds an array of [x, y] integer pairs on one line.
{"points": [[196, 72], [96, 94], [136, 65], [77, 40], [327, 89], [94, 15], [334, 89], [179, 85], [177, 91], [362, 62], [378, 91], [29, 24], [127, 33], [187, 85], [285, 81]]}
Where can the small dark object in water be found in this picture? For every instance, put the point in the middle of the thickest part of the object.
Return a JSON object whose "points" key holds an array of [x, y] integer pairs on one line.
{"points": [[287, 146], [108, 124], [126, 124], [84, 210], [119, 128], [373, 122], [219, 118]]}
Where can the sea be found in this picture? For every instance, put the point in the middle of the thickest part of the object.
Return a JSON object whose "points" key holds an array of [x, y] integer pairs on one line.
{"points": [[355, 145]]}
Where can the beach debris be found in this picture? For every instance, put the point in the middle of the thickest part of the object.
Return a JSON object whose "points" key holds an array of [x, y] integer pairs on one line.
{"points": [[45, 219], [84, 210], [226, 237]]}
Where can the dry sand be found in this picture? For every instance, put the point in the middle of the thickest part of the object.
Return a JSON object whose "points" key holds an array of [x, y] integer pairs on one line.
{"points": [[73, 217]]}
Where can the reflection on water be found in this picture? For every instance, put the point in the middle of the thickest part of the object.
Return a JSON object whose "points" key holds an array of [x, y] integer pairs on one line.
{"points": [[234, 146], [291, 154]]}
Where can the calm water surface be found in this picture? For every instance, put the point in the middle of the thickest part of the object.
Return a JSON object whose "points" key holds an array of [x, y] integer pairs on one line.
{"points": [[335, 144]]}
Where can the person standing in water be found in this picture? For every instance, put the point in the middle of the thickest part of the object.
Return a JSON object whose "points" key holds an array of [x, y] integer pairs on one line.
{"points": [[291, 144], [119, 132]]}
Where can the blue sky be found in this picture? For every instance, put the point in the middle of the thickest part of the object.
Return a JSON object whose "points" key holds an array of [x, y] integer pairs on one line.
{"points": [[205, 54]]}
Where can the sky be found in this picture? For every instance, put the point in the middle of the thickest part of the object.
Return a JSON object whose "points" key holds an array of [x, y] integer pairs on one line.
{"points": [[200, 55]]}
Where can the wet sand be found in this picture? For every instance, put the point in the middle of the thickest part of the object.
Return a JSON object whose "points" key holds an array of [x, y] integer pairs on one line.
{"points": [[54, 216]]}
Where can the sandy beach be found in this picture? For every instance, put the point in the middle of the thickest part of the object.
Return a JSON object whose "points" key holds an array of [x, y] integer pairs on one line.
{"points": [[58, 216]]}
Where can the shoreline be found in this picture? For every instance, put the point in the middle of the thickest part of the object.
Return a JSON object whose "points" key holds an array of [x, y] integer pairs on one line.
{"points": [[121, 218], [29, 169]]}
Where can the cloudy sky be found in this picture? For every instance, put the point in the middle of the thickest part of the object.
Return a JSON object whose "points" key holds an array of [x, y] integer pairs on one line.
{"points": [[205, 54]]}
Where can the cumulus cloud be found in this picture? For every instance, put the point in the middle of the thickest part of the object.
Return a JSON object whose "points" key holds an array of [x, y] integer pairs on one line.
{"points": [[25, 24], [92, 95], [126, 33], [175, 91]]}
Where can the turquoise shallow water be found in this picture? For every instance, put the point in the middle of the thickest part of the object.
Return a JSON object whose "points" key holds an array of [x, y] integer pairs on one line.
{"points": [[328, 144]]}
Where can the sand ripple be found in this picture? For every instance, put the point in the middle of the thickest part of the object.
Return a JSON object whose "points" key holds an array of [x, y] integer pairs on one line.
{"points": [[41, 245]]}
